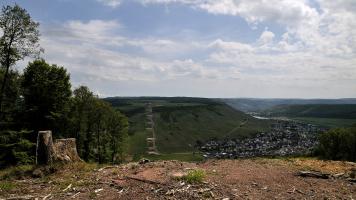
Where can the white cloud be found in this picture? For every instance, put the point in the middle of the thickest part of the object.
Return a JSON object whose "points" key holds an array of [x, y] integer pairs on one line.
{"points": [[266, 37], [90, 49], [282, 11], [231, 46], [111, 3], [92, 27], [332, 28]]}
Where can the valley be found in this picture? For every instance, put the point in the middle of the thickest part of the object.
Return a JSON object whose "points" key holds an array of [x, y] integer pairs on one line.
{"points": [[184, 124], [181, 122]]}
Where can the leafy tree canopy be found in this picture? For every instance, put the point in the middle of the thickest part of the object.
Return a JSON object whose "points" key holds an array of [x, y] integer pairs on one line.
{"points": [[46, 92]]}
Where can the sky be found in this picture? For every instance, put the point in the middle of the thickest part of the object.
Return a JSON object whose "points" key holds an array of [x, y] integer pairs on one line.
{"points": [[202, 48]]}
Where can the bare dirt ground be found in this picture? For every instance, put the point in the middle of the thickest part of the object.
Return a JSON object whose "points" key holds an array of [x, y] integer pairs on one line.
{"points": [[224, 179]]}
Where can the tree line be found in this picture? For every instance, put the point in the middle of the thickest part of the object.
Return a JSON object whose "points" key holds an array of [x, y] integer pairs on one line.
{"points": [[41, 98]]}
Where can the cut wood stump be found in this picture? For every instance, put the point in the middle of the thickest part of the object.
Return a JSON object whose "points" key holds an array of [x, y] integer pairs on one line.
{"points": [[63, 150], [44, 149], [66, 150]]}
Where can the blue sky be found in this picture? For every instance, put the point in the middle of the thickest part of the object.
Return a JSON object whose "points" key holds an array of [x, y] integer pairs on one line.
{"points": [[207, 48]]}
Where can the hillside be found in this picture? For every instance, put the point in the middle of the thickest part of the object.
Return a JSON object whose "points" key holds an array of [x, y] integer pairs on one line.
{"points": [[258, 105], [325, 115], [181, 121], [342, 111]]}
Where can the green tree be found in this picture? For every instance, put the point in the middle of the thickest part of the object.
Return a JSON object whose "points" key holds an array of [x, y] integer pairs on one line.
{"points": [[12, 102], [118, 129], [82, 106], [101, 132], [99, 120], [19, 39], [46, 92], [338, 144]]}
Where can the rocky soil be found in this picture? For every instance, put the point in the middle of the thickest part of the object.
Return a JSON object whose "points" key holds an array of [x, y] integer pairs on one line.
{"points": [[225, 179]]}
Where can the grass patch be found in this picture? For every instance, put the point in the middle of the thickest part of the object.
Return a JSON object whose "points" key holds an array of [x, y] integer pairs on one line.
{"points": [[83, 166], [194, 176], [6, 186], [16, 172]]}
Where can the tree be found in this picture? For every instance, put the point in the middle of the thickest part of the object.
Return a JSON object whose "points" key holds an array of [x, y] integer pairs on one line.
{"points": [[46, 92], [82, 104], [338, 144], [19, 40], [12, 102], [100, 130], [118, 128]]}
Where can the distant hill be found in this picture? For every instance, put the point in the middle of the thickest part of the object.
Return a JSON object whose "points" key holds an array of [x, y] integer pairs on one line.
{"points": [[258, 105], [181, 121], [341, 111], [325, 115]]}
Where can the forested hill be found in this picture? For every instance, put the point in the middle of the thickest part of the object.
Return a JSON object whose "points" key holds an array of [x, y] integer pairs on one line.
{"points": [[182, 121], [343, 111], [258, 105]]}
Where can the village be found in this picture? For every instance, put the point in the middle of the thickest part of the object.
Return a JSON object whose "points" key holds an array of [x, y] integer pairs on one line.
{"points": [[286, 138]]}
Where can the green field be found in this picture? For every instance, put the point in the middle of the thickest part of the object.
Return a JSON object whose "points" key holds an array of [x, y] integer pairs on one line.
{"points": [[181, 121]]}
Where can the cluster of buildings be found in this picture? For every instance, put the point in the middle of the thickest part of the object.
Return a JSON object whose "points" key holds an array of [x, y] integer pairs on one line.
{"points": [[285, 138]]}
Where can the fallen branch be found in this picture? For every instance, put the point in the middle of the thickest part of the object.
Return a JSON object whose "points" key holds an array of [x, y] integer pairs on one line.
{"points": [[313, 174], [299, 191], [76, 194], [144, 180], [45, 197], [98, 190], [107, 167], [21, 197], [67, 188], [353, 180]]}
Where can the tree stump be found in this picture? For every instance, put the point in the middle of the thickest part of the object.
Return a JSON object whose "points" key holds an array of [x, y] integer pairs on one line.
{"points": [[66, 150], [63, 150], [44, 149]]}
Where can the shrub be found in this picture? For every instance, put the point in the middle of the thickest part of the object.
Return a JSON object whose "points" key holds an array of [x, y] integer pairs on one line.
{"points": [[194, 176], [6, 186], [15, 148]]}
